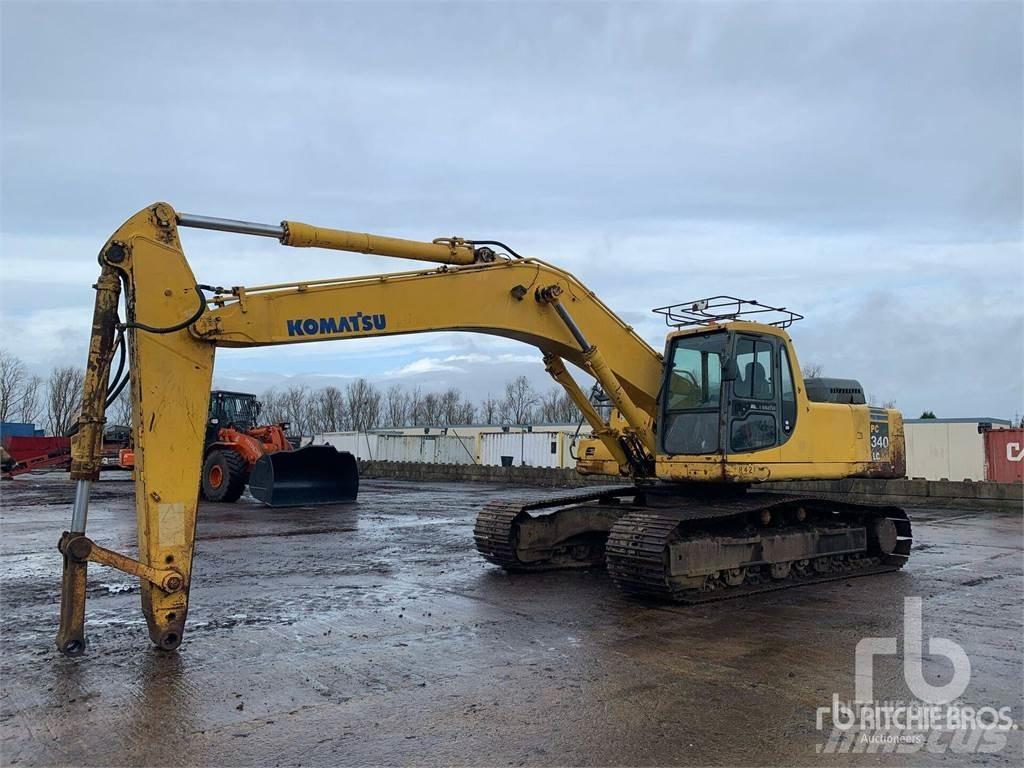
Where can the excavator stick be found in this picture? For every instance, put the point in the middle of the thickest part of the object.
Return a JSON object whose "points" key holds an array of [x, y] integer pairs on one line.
{"points": [[170, 384], [316, 474]]}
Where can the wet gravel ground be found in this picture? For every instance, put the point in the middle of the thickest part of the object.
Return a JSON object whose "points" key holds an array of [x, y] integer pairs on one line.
{"points": [[374, 634]]}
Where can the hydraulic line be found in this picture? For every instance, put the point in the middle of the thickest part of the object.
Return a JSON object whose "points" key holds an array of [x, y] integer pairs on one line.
{"points": [[177, 326]]}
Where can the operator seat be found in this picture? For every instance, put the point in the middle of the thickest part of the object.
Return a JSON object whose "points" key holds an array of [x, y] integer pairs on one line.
{"points": [[759, 384]]}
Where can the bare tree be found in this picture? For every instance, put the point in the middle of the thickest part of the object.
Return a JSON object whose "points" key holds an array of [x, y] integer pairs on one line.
{"points": [[448, 405], [455, 410], [30, 401], [363, 403], [327, 410], [295, 404], [415, 417], [12, 379], [873, 400], [465, 413], [397, 404], [120, 411], [812, 370], [556, 407], [274, 411], [64, 399], [489, 410], [430, 413], [520, 400]]}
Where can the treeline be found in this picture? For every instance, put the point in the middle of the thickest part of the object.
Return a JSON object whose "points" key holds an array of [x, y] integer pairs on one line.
{"points": [[53, 404], [361, 405]]}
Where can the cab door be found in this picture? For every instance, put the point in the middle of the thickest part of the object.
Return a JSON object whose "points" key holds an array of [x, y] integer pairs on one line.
{"points": [[754, 400]]}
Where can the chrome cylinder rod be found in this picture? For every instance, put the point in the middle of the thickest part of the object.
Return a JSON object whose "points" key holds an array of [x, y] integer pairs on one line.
{"points": [[80, 511], [571, 325], [230, 225]]}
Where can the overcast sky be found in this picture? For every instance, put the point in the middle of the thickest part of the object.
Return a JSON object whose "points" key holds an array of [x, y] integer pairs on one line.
{"points": [[860, 163]]}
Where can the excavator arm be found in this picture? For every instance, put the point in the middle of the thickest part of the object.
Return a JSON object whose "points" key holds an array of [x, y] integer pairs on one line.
{"points": [[173, 327]]}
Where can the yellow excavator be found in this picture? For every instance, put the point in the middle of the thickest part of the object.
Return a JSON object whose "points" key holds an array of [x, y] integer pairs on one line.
{"points": [[692, 432]]}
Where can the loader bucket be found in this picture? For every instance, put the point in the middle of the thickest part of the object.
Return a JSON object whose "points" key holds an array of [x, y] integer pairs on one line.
{"points": [[316, 474]]}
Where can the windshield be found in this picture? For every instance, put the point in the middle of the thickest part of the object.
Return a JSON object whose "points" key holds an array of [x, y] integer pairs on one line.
{"points": [[695, 380], [692, 394]]}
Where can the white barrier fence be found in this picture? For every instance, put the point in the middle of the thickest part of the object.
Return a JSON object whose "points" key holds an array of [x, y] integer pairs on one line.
{"points": [[517, 447]]}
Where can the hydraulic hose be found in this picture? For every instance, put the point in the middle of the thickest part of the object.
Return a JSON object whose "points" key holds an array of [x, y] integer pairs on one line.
{"points": [[177, 326]]}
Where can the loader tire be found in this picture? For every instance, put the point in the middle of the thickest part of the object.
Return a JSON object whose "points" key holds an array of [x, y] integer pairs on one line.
{"points": [[224, 476]]}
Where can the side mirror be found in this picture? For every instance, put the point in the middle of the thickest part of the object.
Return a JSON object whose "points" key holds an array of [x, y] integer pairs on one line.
{"points": [[259, 407]]}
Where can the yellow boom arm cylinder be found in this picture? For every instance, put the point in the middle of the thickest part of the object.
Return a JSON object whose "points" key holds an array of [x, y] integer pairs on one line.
{"points": [[607, 435], [446, 251]]}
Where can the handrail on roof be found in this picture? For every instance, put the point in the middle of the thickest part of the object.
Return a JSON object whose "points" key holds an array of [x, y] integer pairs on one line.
{"points": [[716, 309]]}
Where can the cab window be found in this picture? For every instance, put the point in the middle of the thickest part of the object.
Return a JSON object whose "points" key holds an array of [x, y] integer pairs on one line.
{"points": [[788, 392], [753, 423], [692, 394], [696, 377], [755, 369]]}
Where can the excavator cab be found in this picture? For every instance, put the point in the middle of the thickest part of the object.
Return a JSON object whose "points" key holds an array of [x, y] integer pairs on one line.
{"points": [[729, 386], [727, 392]]}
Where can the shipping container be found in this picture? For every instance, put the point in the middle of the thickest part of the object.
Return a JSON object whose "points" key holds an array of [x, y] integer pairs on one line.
{"points": [[946, 449], [436, 448], [428, 449], [530, 449], [359, 444], [1004, 455]]}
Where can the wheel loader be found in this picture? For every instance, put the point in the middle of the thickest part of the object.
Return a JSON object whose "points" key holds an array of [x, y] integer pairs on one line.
{"points": [[239, 452], [694, 431]]}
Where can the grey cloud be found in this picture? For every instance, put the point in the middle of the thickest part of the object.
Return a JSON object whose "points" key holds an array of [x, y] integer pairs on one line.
{"points": [[889, 115], [860, 161]]}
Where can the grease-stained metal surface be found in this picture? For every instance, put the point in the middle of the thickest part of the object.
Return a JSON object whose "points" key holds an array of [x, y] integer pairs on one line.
{"points": [[373, 633]]}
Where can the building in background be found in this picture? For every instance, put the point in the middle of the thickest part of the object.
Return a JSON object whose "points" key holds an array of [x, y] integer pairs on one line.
{"points": [[19, 429], [937, 449], [534, 445]]}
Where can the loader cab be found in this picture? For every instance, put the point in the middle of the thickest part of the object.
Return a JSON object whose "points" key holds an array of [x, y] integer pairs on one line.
{"points": [[232, 409], [729, 389]]}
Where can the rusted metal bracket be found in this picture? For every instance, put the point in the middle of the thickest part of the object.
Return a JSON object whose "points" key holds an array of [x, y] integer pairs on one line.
{"points": [[78, 550], [82, 548]]}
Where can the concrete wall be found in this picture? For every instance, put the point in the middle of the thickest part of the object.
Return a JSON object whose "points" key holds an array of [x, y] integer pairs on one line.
{"points": [[544, 477], [910, 493]]}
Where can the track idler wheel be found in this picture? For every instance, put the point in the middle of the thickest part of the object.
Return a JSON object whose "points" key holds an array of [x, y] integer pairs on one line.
{"points": [[883, 532]]}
